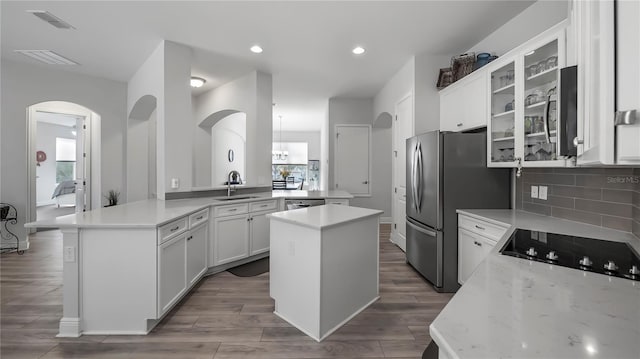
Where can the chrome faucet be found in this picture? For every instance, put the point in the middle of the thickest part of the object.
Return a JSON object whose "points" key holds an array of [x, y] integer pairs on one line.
{"points": [[233, 174]]}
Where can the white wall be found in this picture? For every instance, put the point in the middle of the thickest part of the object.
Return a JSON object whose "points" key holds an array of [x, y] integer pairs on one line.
{"points": [[147, 81], [360, 111], [251, 94], [178, 119], [228, 134], [399, 86], [535, 19], [24, 85], [312, 138], [46, 172], [427, 97]]}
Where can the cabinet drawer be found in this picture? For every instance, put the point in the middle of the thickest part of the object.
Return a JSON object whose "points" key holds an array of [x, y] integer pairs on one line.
{"points": [[172, 228], [263, 205], [481, 227], [231, 209], [343, 202], [198, 217]]}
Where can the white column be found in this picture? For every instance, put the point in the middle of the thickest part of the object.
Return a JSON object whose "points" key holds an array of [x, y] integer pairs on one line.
{"points": [[70, 322]]}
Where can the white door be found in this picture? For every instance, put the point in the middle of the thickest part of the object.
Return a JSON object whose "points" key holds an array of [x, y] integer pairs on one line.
{"points": [[197, 253], [402, 129], [259, 233], [172, 272], [352, 149], [231, 238], [81, 165]]}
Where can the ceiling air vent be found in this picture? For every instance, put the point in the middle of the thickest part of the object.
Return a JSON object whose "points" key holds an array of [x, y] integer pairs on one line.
{"points": [[47, 56], [51, 19]]}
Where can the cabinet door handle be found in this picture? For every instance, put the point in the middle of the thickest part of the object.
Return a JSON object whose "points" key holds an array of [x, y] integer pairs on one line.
{"points": [[233, 209], [189, 238], [477, 243], [264, 205], [199, 218], [365, 182], [175, 228], [480, 228], [459, 125]]}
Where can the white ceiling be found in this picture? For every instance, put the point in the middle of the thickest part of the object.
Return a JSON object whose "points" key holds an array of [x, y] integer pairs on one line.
{"points": [[306, 43]]}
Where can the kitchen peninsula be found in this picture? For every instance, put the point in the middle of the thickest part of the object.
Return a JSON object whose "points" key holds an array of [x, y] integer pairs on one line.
{"points": [[519, 308], [126, 266]]}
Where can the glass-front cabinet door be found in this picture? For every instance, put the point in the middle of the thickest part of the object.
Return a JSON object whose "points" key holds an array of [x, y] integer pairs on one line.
{"points": [[540, 107], [523, 102], [502, 108]]}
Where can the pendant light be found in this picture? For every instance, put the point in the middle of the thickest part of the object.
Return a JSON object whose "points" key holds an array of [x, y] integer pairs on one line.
{"points": [[279, 155]]}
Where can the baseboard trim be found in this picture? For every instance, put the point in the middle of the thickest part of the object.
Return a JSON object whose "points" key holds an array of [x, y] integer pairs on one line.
{"points": [[69, 328]]}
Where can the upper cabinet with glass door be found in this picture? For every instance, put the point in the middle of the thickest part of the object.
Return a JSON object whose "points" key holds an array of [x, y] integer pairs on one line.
{"points": [[523, 123], [539, 120], [501, 124]]}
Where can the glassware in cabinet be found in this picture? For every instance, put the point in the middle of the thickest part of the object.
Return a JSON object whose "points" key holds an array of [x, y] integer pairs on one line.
{"points": [[502, 107], [541, 73]]}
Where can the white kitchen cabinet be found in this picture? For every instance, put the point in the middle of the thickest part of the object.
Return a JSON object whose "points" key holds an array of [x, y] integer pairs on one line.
{"points": [[259, 232], [463, 104], [231, 241], [523, 104], [340, 201], [476, 238], [172, 272], [197, 253], [182, 257], [240, 231]]}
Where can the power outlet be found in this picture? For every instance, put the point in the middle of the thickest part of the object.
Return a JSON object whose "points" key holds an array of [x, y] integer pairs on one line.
{"points": [[69, 254], [534, 191], [175, 183], [542, 192]]}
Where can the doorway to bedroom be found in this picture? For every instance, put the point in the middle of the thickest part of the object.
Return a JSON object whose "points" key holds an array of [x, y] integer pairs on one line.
{"points": [[60, 160]]}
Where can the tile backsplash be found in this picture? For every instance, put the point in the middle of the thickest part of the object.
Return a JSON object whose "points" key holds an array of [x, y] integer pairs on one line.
{"points": [[607, 197]]}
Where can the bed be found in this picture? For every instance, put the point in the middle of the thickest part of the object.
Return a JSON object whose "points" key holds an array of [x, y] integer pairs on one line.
{"points": [[65, 194]]}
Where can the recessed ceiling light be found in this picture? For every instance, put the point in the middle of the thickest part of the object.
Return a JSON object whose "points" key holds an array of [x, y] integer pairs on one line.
{"points": [[197, 81], [256, 49], [358, 50]]}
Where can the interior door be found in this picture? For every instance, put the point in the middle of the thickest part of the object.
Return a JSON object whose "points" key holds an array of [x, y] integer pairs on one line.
{"points": [[352, 160], [402, 130], [81, 165]]}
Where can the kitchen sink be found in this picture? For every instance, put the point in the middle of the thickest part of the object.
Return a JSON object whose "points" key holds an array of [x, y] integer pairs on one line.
{"points": [[233, 198]]}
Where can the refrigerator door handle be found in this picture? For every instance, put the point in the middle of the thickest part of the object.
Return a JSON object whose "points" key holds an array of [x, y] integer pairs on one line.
{"points": [[421, 230], [414, 159], [419, 175], [547, 107]]}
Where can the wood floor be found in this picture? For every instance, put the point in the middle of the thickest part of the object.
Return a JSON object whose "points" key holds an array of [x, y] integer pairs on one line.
{"points": [[224, 317]]}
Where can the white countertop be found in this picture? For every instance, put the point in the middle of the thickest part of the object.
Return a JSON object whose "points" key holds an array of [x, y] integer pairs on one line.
{"points": [[304, 194], [515, 308], [153, 212], [320, 217]]}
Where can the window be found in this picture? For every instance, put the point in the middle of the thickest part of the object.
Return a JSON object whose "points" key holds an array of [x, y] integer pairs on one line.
{"points": [[65, 159]]}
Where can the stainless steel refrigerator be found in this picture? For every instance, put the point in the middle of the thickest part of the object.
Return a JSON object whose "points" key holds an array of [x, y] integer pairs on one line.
{"points": [[445, 172]]}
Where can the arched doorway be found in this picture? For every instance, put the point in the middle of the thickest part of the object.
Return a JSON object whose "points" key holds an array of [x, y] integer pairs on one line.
{"points": [[63, 166]]}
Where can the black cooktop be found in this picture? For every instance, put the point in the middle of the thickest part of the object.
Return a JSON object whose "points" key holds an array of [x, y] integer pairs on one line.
{"points": [[588, 254]]}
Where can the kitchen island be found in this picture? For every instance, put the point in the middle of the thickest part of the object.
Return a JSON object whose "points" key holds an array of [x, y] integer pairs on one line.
{"points": [[515, 308], [324, 266], [125, 267]]}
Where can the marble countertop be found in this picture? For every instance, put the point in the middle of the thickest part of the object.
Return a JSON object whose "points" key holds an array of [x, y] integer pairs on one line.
{"points": [[515, 308], [153, 212], [320, 217]]}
